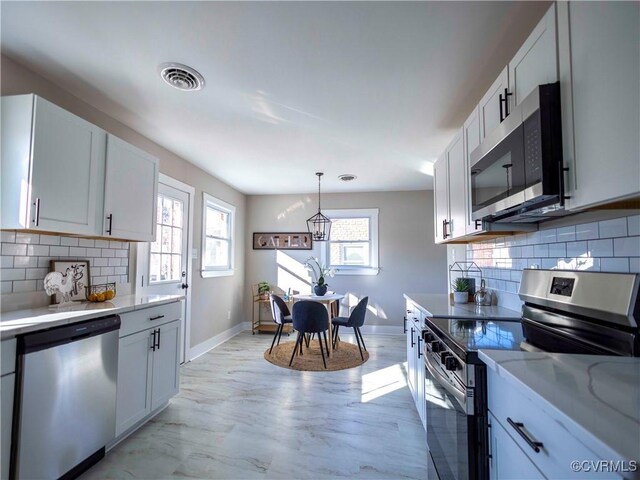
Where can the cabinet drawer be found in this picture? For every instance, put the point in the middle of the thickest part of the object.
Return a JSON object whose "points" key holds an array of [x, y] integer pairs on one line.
{"points": [[8, 352], [561, 438], [138, 320]]}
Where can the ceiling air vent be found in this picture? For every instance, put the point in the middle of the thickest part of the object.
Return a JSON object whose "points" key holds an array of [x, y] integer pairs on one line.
{"points": [[347, 177], [181, 77]]}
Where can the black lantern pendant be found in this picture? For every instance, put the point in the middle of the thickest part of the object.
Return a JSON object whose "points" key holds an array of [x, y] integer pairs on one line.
{"points": [[319, 226]]}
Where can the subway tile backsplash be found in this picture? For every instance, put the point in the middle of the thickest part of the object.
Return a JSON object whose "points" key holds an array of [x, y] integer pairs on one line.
{"points": [[607, 246], [26, 258]]}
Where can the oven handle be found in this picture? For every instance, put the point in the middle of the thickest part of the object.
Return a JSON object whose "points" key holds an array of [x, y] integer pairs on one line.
{"points": [[444, 381]]}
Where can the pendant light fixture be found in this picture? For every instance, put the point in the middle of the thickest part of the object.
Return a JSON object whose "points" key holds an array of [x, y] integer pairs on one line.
{"points": [[319, 226]]}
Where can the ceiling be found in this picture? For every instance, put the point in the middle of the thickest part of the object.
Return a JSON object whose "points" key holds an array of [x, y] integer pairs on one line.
{"points": [[374, 89]]}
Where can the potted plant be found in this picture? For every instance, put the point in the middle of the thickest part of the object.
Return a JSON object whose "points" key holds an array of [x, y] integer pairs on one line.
{"points": [[318, 272], [460, 290], [263, 290]]}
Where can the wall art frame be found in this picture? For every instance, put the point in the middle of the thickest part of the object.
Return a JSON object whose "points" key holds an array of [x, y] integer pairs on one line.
{"points": [[282, 241]]}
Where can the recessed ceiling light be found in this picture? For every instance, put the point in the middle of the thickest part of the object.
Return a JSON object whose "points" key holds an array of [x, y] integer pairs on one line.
{"points": [[347, 177], [181, 76]]}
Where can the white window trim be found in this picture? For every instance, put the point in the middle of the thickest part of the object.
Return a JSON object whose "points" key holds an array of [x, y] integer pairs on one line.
{"points": [[372, 215], [210, 200]]}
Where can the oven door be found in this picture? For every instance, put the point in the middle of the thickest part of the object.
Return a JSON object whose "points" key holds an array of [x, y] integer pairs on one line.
{"points": [[447, 424]]}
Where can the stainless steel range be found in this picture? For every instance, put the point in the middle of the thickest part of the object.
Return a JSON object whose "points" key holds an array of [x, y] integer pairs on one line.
{"points": [[455, 391], [581, 312], [564, 312]]}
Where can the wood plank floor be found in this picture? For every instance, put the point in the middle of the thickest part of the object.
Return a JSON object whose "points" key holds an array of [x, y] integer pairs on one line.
{"points": [[239, 417]]}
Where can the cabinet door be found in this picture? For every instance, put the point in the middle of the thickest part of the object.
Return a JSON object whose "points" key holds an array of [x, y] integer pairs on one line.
{"points": [[131, 189], [166, 364], [508, 461], [6, 391], [134, 380], [441, 198], [457, 187], [489, 108], [536, 62], [411, 355], [605, 67], [471, 140], [67, 172]]}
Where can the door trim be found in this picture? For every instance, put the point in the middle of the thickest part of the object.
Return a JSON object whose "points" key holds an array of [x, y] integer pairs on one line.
{"points": [[141, 285], [172, 182]]}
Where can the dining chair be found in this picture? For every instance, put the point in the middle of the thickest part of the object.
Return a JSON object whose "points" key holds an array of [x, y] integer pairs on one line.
{"points": [[355, 321], [310, 317], [281, 316]]}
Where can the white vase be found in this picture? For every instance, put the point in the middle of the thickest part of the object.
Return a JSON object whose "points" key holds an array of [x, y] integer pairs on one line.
{"points": [[460, 297]]}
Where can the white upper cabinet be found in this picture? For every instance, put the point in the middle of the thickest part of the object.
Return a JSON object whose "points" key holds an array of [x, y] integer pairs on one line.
{"points": [[600, 85], [62, 174], [471, 140], [536, 63], [130, 192], [441, 198], [52, 168], [491, 109], [457, 187], [449, 184]]}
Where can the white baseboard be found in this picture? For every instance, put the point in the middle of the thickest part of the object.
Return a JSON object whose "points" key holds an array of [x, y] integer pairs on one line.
{"points": [[204, 347]]}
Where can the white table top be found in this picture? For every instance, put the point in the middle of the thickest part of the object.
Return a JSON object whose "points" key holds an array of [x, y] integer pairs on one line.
{"points": [[598, 393], [324, 298]]}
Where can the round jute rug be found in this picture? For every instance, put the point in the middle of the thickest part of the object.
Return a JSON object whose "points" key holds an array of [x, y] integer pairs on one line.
{"points": [[345, 356]]}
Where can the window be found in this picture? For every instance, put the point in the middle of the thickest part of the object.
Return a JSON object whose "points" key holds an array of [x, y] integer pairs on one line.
{"points": [[165, 254], [352, 248], [217, 237]]}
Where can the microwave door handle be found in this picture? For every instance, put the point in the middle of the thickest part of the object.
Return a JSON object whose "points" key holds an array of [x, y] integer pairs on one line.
{"points": [[563, 195]]}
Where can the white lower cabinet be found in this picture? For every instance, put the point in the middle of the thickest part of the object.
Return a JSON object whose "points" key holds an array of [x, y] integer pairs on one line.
{"points": [[165, 365], [529, 439], [7, 387], [148, 370], [508, 461], [6, 391], [415, 364]]}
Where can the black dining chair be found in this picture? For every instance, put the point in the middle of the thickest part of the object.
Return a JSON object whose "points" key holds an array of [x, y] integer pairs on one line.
{"points": [[310, 317], [355, 321], [281, 316]]}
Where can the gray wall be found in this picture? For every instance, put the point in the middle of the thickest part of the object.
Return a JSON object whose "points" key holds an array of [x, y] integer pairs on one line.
{"points": [[212, 298], [409, 259]]}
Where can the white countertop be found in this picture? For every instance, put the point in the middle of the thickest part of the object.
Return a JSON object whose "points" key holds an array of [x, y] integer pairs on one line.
{"points": [[438, 306], [30, 320], [600, 394]]}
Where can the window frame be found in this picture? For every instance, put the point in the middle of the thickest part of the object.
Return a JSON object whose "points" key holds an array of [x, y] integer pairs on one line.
{"points": [[372, 215], [209, 201]]}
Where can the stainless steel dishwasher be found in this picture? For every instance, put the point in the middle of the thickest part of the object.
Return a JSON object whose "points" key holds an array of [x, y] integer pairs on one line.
{"points": [[66, 399]]}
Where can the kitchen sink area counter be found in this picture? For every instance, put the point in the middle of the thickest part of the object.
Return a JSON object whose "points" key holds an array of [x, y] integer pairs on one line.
{"points": [[30, 320], [439, 306], [592, 401]]}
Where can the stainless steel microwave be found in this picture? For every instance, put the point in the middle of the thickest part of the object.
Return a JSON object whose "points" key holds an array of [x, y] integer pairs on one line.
{"points": [[517, 171]]}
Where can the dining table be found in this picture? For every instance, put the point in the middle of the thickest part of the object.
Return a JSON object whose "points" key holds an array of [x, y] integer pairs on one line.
{"points": [[326, 300]]}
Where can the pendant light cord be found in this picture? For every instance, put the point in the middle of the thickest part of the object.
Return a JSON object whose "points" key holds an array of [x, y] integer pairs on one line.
{"points": [[319, 174]]}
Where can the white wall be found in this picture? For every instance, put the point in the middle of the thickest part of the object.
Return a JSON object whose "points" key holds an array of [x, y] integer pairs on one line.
{"points": [[212, 298], [409, 259]]}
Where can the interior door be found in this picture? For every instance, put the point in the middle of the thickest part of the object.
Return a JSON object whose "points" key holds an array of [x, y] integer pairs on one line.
{"points": [[164, 266]]}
